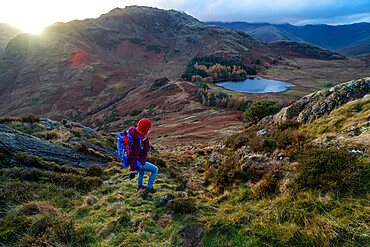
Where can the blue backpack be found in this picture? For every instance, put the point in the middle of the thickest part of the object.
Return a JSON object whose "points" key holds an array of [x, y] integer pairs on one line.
{"points": [[124, 146]]}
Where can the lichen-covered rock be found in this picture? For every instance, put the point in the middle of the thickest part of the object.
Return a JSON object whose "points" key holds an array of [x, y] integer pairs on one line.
{"points": [[317, 104], [12, 143]]}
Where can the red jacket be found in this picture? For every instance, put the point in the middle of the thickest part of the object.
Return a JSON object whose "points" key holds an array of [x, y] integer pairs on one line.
{"points": [[136, 154]]}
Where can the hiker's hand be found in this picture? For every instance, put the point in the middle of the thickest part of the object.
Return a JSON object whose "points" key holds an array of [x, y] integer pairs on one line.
{"points": [[138, 167], [132, 175]]}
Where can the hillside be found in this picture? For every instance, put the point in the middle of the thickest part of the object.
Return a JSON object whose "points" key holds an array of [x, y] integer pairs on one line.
{"points": [[74, 68], [288, 184], [7, 32], [350, 39], [103, 68]]}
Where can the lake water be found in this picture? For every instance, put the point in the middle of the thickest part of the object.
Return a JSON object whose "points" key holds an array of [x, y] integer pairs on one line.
{"points": [[255, 85]]}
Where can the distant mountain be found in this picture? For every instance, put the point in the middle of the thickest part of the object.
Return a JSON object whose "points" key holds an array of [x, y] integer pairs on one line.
{"points": [[351, 39], [7, 32]]}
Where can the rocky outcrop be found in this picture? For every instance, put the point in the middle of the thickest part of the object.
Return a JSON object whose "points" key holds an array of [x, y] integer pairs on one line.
{"points": [[49, 124], [101, 150], [11, 143], [159, 83], [6, 129], [317, 104]]}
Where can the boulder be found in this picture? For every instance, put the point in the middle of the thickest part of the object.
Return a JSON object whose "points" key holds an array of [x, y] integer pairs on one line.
{"points": [[257, 166]]}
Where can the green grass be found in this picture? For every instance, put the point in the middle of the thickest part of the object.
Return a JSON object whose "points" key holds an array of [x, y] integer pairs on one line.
{"points": [[303, 219], [329, 81], [59, 205], [323, 88], [115, 215], [295, 92]]}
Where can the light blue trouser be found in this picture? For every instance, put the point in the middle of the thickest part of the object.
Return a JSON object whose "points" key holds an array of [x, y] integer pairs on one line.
{"points": [[148, 167]]}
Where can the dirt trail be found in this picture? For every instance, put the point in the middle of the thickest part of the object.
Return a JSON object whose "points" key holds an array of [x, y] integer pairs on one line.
{"points": [[179, 96]]}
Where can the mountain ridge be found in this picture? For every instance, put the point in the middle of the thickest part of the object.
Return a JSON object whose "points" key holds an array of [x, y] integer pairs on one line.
{"points": [[340, 38]]}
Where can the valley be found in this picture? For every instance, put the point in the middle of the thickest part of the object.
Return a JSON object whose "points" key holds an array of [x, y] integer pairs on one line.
{"points": [[98, 70]]}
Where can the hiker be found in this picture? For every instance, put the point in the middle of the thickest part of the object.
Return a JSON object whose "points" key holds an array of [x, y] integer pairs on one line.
{"points": [[138, 155]]}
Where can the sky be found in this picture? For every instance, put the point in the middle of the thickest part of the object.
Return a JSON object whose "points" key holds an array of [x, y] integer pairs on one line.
{"points": [[33, 15]]}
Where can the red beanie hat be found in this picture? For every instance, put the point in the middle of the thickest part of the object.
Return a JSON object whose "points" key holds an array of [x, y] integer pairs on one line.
{"points": [[143, 126]]}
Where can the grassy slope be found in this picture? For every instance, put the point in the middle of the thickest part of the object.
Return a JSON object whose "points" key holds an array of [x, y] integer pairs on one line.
{"points": [[41, 211], [346, 127]]}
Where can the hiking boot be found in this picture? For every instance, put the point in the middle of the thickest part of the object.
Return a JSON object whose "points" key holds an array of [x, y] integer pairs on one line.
{"points": [[140, 187], [150, 190]]}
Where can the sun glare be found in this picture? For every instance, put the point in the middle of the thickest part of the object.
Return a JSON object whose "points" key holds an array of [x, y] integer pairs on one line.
{"points": [[30, 27]]}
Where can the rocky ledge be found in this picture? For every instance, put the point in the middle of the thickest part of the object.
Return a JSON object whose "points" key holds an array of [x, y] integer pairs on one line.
{"points": [[317, 104], [13, 141]]}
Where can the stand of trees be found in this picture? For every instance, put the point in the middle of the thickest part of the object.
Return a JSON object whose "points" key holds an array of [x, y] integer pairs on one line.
{"points": [[220, 99], [213, 68]]}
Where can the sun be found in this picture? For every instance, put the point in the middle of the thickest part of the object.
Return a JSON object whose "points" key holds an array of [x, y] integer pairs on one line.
{"points": [[32, 27]]}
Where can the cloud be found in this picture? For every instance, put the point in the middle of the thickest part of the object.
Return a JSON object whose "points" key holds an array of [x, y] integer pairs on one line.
{"points": [[273, 11], [37, 14]]}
